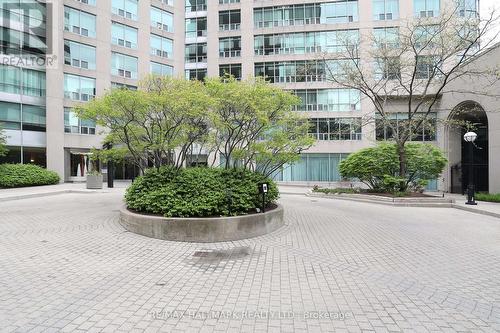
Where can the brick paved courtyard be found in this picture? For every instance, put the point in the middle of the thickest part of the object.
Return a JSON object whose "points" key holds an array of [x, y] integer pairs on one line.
{"points": [[67, 265]]}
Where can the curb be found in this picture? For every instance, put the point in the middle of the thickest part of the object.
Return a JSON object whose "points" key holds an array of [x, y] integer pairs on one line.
{"points": [[477, 211], [45, 194], [395, 202], [386, 202]]}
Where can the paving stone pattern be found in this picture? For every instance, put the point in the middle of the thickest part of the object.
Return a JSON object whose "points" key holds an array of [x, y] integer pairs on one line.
{"points": [[66, 265]]}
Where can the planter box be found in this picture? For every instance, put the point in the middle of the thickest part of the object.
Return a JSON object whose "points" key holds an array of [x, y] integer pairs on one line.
{"points": [[396, 201], [94, 182], [203, 229]]}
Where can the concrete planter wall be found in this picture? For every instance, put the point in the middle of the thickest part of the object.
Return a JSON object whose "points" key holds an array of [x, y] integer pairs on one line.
{"points": [[407, 202], [94, 181], [214, 229]]}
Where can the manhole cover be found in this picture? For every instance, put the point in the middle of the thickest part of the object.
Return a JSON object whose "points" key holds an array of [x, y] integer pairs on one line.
{"points": [[232, 253]]}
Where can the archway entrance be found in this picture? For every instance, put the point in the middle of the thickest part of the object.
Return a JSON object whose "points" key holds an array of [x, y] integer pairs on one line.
{"points": [[468, 113]]}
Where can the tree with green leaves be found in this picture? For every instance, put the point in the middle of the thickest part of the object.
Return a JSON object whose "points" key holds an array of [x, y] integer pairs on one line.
{"points": [[378, 167], [3, 142], [407, 69], [253, 125], [157, 124], [249, 124]]}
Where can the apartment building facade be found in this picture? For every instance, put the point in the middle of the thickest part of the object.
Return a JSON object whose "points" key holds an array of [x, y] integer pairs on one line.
{"points": [[102, 44]]}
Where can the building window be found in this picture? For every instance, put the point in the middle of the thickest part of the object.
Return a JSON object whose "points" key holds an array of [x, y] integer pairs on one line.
{"points": [[386, 38], [79, 88], [161, 46], [425, 36], [230, 20], [196, 74], [196, 5], [312, 168], [292, 71], [331, 100], [79, 55], [196, 27], [304, 14], [79, 22], [123, 35], [196, 52], [228, 1], [161, 69], [22, 81], [10, 115], [75, 125], [230, 47], [423, 128], [28, 155], [125, 8], [305, 42], [468, 8], [87, 2], [34, 16], [162, 20], [426, 8], [118, 85], [388, 68], [427, 67], [168, 2], [33, 118], [123, 65], [22, 117], [300, 71], [14, 42], [230, 69], [333, 129], [385, 10]]}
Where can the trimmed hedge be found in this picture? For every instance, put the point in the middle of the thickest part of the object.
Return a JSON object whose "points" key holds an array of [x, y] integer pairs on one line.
{"points": [[19, 175], [488, 197], [198, 192], [336, 190]]}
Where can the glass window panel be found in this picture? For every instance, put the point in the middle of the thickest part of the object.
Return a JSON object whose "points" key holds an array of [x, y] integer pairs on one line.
{"points": [[79, 55], [318, 167], [385, 9], [161, 69], [79, 22], [10, 112], [78, 88], [123, 35], [33, 114], [123, 65], [161, 19], [125, 8], [33, 82]]}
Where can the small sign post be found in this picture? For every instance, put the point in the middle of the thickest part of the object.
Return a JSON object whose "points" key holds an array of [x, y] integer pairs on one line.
{"points": [[263, 189]]}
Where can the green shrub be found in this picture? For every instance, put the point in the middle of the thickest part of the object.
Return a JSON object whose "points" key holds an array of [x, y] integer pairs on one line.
{"points": [[488, 197], [19, 175], [336, 190], [198, 192], [378, 167]]}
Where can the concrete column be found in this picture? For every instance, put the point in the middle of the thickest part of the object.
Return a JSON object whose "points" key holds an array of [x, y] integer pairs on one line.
{"points": [[55, 96]]}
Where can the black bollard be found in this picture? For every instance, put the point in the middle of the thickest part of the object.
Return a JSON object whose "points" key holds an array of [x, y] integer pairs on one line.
{"points": [[111, 174]]}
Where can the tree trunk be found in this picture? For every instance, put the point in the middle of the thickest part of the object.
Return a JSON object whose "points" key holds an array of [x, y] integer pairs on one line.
{"points": [[402, 165], [157, 159]]}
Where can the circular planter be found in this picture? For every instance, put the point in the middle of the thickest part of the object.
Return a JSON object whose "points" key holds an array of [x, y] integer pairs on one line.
{"points": [[209, 229]]}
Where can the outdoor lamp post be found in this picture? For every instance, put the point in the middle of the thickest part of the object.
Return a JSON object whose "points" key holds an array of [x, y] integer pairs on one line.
{"points": [[470, 137]]}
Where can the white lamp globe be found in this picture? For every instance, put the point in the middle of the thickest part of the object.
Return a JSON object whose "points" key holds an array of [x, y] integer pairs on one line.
{"points": [[470, 136]]}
